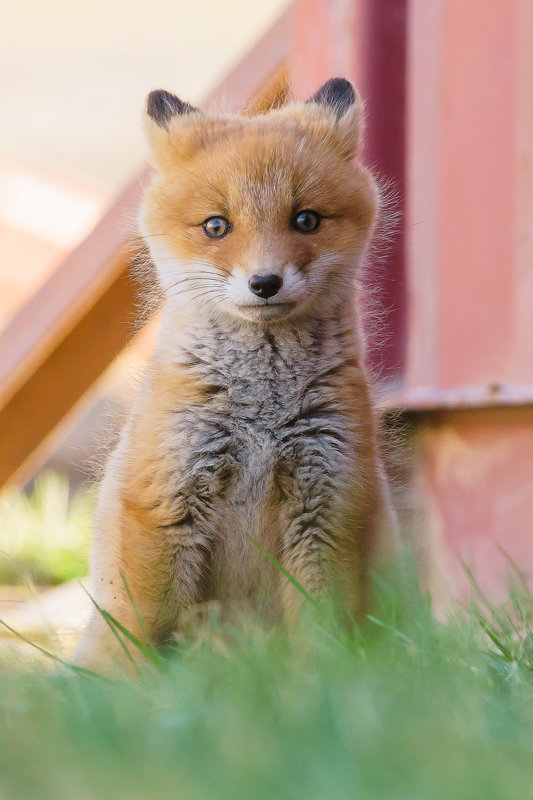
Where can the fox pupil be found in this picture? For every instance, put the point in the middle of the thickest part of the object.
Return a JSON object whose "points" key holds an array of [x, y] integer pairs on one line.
{"points": [[306, 221], [216, 227]]}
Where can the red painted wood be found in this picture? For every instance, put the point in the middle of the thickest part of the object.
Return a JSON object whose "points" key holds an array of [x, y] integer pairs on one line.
{"points": [[477, 489], [382, 53], [470, 161], [429, 398], [520, 363], [324, 43], [476, 221], [67, 296]]}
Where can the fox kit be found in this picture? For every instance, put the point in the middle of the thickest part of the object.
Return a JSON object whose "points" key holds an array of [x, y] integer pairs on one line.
{"points": [[253, 420]]}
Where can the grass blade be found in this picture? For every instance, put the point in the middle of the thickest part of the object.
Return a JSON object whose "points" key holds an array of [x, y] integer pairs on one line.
{"points": [[156, 658], [284, 572], [129, 635], [106, 617], [47, 653], [506, 653], [390, 629]]}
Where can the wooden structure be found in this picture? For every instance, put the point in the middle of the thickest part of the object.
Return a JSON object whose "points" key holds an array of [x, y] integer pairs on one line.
{"points": [[450, 122]]}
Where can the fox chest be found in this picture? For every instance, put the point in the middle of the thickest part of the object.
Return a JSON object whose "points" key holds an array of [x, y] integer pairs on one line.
{"points": [[270, 412], [238, 443]]}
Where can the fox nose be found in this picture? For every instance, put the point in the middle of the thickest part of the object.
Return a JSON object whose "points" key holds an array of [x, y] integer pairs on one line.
{"points": [[265, 285]]}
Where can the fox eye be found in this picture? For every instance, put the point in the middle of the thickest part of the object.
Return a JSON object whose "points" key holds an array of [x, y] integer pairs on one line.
{"points": [[306, 221], [216, 227]]}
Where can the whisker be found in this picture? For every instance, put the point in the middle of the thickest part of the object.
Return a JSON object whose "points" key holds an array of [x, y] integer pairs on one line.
{"points": [[206, 278], [215, 297], [211, 271], [216, 266], [203, 294], [192, 289], [188, 289]]}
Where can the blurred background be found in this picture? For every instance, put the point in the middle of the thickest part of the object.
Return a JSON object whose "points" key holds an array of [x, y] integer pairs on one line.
{"points": [[447, 85]]}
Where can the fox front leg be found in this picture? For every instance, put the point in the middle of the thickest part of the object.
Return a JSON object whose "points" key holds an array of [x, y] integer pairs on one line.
{"points": [[155, 574], [329, 523]]}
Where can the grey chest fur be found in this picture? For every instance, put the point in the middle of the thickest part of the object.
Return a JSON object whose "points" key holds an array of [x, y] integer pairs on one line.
{"points": [[269, 394]]}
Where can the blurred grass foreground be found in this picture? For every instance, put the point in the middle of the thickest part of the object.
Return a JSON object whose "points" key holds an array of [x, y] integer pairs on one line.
{"points": [[402, 707]]}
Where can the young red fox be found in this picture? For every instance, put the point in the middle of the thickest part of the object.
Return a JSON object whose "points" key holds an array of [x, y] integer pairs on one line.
{"points": [[253, 418]]}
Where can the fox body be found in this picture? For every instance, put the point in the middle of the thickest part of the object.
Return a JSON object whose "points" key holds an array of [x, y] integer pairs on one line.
{"points": [[253, 420]]}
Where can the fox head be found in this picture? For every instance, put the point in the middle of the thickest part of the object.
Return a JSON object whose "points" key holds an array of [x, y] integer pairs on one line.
{"points": [[264, 218]]}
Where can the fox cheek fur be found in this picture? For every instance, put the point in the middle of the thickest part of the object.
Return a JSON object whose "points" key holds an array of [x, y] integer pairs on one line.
{"points": [[254, 416]]}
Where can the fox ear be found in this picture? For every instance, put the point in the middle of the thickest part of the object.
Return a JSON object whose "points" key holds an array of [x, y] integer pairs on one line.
{"points": [[162, 106], [168, 141], [339, 97], [337, 94]]}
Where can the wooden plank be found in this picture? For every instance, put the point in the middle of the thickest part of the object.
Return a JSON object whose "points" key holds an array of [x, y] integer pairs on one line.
{"points": [[470, 241], [67, 296], [57, 383], [69, 332], [474, 475], [414, 399]]}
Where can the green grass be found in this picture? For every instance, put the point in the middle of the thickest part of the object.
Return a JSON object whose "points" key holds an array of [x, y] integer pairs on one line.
{"points": [[402, 708], [45, 535]]}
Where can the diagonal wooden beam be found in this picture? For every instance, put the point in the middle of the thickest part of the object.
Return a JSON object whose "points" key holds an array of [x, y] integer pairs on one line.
{"points": [[62, 340]]}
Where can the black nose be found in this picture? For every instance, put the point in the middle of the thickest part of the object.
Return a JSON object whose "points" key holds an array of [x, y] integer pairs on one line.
{"points": [[265, 285]]}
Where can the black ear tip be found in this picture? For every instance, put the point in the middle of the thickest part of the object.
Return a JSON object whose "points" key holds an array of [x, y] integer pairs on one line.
{"points": [[338, 93], [161, 106], [341, 88]]}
